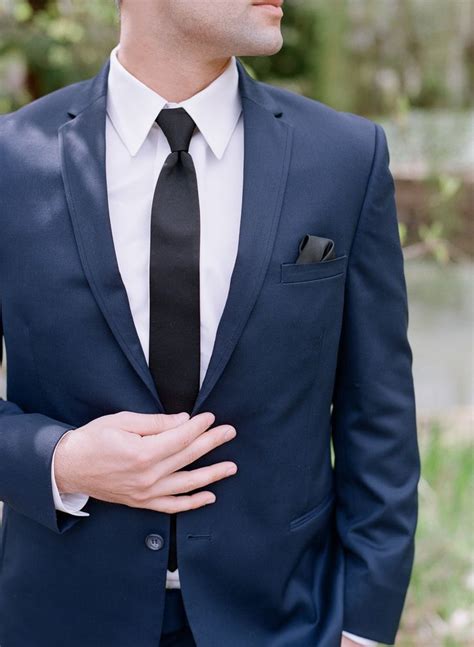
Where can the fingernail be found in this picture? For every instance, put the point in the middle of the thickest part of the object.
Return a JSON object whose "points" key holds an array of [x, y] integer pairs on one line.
{"points": [[230, 433], [181, 417], [211, 499], [230, 471]]}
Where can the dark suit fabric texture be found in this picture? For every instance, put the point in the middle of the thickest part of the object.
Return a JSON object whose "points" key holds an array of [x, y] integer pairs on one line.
{"points": [[295, 549]]}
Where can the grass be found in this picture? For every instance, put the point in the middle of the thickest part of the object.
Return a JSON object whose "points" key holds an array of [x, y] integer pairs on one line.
{"points": [[439, 609]]}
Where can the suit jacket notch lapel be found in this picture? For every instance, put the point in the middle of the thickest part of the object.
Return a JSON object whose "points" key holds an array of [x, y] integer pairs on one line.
{"points": [[82, 144]]}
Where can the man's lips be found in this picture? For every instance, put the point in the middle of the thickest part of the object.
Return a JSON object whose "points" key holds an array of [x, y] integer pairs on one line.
{"points": [[271, 5], [274, 3]]}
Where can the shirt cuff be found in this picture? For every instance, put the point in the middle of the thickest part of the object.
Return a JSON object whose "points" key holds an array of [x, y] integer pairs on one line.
{"points": [[70, 503], [359, 639]]}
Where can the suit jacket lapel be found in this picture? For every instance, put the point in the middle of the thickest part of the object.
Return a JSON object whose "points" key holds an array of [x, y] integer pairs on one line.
{"points": [[82, 144], [267, 150]]}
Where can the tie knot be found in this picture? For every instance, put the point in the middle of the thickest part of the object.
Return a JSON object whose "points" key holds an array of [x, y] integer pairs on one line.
{"points": [[177, 126]]}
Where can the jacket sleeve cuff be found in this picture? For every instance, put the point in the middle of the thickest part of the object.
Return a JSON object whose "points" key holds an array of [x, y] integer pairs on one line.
{"points": [[28, 443], [372, 611]]}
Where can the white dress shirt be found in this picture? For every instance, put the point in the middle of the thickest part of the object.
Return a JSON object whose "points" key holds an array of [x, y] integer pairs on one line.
{"points": [[136, 149]]}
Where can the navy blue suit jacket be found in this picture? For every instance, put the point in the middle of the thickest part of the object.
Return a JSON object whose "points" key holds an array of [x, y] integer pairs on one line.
{"points": [[295, 549]]}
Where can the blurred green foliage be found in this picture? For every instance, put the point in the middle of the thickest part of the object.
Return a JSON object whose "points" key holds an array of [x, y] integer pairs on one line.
{"points": [[46, 44], [376, 56]]}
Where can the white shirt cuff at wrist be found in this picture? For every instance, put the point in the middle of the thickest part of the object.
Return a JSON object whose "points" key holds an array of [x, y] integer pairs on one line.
{"points": [[359, 639], [70, 503]]}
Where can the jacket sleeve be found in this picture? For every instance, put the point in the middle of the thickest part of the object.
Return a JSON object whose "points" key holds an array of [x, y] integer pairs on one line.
{"points": [[377, 463], [27, 442]]}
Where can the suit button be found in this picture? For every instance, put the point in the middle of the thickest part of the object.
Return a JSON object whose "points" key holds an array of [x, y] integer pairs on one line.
{"points": [[154, 542]]}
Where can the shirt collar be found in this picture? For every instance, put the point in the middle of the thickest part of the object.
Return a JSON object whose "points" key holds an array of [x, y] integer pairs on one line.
{"points": [[133, 107]]}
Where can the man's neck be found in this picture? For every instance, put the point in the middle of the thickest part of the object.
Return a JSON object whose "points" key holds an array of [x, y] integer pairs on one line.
{"points": [[174, 77]]}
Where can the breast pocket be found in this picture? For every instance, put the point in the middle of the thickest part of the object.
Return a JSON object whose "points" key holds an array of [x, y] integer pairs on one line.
{"points": [[300, 272]]}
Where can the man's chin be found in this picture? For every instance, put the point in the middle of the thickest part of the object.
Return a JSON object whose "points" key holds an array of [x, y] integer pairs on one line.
{"points": [[264, 47]]}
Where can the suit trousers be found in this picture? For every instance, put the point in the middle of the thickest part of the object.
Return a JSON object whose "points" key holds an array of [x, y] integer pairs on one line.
{"points": [[175, 631]]}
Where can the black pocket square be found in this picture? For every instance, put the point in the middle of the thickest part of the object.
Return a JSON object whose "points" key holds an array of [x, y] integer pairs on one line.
{"points": [[313, 249]]}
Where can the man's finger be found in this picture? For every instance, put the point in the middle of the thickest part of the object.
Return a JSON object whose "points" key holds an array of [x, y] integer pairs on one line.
{"points": [[181, 503], [182, 446], [181, 437], [146, 424]]}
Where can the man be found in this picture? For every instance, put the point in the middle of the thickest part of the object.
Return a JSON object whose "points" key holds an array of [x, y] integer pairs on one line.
{"points": [[154, 260]]}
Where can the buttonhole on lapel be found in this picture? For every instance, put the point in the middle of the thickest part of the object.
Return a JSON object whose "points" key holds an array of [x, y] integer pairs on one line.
{"points": [[278, 114]]}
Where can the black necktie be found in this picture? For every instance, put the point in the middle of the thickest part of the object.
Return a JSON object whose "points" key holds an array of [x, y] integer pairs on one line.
{"points": [[174, 353]]}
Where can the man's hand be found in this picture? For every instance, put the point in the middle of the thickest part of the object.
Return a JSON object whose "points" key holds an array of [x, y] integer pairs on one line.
{"points": [[135, 459]]}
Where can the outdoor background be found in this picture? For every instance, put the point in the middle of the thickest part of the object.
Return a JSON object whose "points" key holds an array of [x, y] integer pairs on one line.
{"points": [[409, 65]]}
